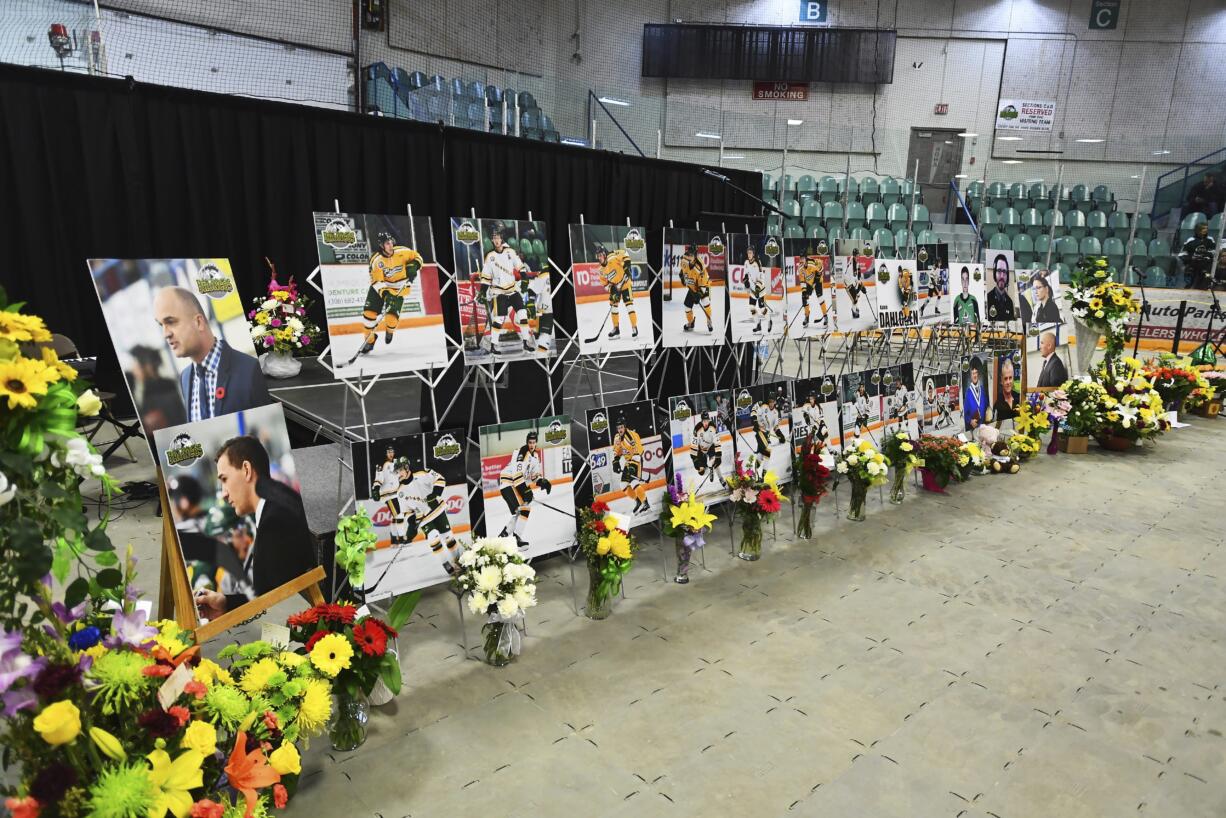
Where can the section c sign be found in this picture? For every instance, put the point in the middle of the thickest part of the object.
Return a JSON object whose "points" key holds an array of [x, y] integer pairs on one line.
{"points": [[1104, 14], [774, 91], [1025, 115]]}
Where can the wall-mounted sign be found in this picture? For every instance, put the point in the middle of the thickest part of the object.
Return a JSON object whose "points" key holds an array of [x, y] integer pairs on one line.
{"points": [[1025, 115], [814, 11], [941, 108], [773, 91], [1104, 14]]}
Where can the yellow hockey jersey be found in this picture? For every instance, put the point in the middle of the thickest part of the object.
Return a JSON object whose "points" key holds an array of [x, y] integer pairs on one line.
{"points": [[628, 445], [615, 272], [694, 274], [394, 273], [810, 272]]}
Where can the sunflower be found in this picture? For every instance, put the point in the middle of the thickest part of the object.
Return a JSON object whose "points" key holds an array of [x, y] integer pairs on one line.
{"points": [[316, 706], [51, 360], [331, 654], [22, 380], [22, 328]]}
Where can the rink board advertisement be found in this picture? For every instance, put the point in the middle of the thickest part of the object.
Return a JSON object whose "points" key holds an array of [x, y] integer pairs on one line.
{"points": [[755, 288], [414, 490], [503, 289], [628, 460], [694, 273], [527, 481], [807, 274], [612, 288], [702, 449], [381, 293], [764, 426]]}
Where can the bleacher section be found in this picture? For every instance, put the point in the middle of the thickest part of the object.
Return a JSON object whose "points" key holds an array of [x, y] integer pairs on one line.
{"points": [[398, 93]]}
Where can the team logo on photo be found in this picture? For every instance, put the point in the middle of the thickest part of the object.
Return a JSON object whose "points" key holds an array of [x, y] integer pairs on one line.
{"points": [[771, 248], [634, 241], [888, 378], [744, 400], [184, 451], [966, 366], [978, 275], [212, 282], [682, 411], [823, 249], [339, 234], [467, 234], [447, 448], [923, 254], [716, 246], [556, 433], [600, 423], [875, 378], [868, 250], [827, 387]]}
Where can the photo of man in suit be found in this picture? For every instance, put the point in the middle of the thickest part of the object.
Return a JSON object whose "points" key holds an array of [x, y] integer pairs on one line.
{"points": [[284, 547], [1053, 372], [219, 380], [974, 394]]}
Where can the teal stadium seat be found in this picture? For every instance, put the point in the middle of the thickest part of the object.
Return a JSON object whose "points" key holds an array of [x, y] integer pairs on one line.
{"points": [[884, 240], [855, 215], [1018, 200], [1114, 250], [1032, 221], [1023, 250], [835, 232], [811, 211], [996, 196], [904, 243], [974, 195], [1103, 198], [815, 230], [926, 237], [793, 231], [860, 235], [1145, 227], [1042, 243], [999, 241], [1075, 224], [832, 214], [891, 191], [849, 188], [827, 190], [1117, 223], [1010, 222], [1090, 246], [1160, 256], [767, 185], [920, 220], [875, 215], [1096, 223], [897, 215], [1066, 250], [1079, 198], [806, 184], [1189, 224], [870, 191], [1155, 277], [1215, 226], [1140, 254], [1054, 218], [989, 221], [1040, 197]]}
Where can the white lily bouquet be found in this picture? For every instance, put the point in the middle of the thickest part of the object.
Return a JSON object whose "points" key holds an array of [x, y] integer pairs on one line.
{"points": [[501, 586]]}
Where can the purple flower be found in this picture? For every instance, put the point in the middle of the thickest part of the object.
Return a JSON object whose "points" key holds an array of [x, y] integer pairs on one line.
{"points": [[85, 638], [67, 615], [130, 629], [15, 664], [306, 339], [17, 700], [276, 322], [301, 311], [267, 340]]}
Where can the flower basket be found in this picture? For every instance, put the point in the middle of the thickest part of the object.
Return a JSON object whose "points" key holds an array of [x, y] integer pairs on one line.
{"points": [[279, 364], [1116, 443], [1074, 444], [1209, 409], [930, 482]]}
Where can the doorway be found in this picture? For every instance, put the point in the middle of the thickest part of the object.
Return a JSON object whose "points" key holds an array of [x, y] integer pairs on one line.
{"points": [[939, 152]]}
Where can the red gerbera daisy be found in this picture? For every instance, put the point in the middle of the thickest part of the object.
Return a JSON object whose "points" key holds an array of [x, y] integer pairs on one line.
{"points": [[343, 614], [370, 638], [315, 637], [308, 617], [768, 502]]}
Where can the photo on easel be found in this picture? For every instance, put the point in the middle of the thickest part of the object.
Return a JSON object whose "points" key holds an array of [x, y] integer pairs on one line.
{"points": [[897, 294], [612, 288], [900, 401], [1049, 359], [932, 279], [1039, 298], [234, 497], [860, 399], [527, 482], [1008, 386], [807, 275], [976, 392], [380, 284], [855, 293], [942, 403], [182, 338], [504, 289], [703, 453], [764, 426], [968, 297], [414, 490], [1001, 298], [816, 410], [628, 461], [755, 290], [694, 276]]}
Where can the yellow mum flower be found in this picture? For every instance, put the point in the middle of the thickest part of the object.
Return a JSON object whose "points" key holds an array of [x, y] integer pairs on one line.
{"points": [[23, 328], [316, 706], [209, 671], [291, 660], [23, 380], [865, 446], [621, 548], [257, 676], [331, 654]]}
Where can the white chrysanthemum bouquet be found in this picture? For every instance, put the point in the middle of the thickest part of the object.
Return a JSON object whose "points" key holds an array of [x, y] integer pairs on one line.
{"points": [[500, 585]]}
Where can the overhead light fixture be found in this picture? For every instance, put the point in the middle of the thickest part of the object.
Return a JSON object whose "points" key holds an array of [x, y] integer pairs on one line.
{"points": [[705, 135], [613, 101], [1091, 141], [960, 176], [570, 140], [1161, 153], [967, 134], [1011, 161], [734, 156], [796, 122], [1008, 139], [1134, 177]]}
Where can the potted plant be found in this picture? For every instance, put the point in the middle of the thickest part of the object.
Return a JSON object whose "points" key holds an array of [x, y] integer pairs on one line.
{"points": [[1075, 406], [939, 458]]}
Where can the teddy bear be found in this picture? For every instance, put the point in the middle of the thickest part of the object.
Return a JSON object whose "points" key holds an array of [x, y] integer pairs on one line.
{"points": [[1002, 460]]}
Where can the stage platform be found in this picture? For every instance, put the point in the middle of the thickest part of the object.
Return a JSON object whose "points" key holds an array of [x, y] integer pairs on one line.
{"points": [[327, 408]]}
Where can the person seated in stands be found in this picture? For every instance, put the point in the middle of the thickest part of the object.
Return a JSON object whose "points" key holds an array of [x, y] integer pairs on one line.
{"points": [[1205, 197], [1197, 256]]}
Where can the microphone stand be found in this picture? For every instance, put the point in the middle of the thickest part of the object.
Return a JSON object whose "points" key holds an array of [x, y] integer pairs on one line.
{"points": [[721, 177], [1136, 344]]}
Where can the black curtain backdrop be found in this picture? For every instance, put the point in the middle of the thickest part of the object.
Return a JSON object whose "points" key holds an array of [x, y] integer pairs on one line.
{"points": [[100, 168]]}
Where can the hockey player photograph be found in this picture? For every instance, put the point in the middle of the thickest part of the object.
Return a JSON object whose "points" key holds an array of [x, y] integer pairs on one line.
{"points": [[900, 403], [612, 288], [855, 293], [504, 289], [808, 277], [757, 306], [527, 484], [695, 277], [182, 338], [626, 455], [932, 283], [860, 398], [258, 539], [764, 426], [816, 411], [381, 293], [897, 304], [942, 403], [414, 490], [976, 397], [702, 448], [968, 302]]}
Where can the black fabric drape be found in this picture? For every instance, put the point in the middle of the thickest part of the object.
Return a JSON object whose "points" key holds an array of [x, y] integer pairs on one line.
{"points": [[95, 167]]}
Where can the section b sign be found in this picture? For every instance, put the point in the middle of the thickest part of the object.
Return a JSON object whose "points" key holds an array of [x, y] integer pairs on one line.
{"points": [[812, 11], [772, 91]]}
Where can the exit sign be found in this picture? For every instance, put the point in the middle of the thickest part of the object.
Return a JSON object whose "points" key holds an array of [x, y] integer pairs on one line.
{"points": [[1104, 14], [813, 11], [941, 108]]}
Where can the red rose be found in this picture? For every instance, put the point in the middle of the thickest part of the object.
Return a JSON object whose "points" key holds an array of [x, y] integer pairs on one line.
{"points": [[315, 637], [370, 638], [599, 527], [600, 507]]}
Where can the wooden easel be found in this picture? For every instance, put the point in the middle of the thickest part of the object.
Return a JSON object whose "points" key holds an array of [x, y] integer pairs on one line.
{"points": [[175, 600]]}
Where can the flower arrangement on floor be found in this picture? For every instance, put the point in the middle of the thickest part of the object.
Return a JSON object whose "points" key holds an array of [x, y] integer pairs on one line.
{"points": [[500, 585], [684, 520], [1207, 392], [1073, 408], [756, 498], [1175, 379], [863, 466], [811, 475], [609, 549], [971, 459], [353, 653], [1129, 408], [280, 326], [939, 456], [355, 538], [1100, 303], [899, 449], [1028, 426], [1023, 447]]}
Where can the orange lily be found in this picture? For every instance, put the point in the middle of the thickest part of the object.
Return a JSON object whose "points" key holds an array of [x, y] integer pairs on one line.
{"points": [[248, 772], [162, 655]]}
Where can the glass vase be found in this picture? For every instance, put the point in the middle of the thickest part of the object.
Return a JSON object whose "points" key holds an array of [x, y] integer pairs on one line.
{"points": [[751, 539], [899, 487], [500, 638], [804, 525], [350, 714], [684, 554], [599, 600], [859, 497]]}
